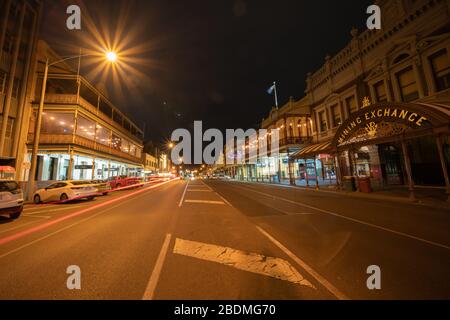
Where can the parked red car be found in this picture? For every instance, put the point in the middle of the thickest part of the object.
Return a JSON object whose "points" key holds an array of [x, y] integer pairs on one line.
{"points": [[123, 181]]}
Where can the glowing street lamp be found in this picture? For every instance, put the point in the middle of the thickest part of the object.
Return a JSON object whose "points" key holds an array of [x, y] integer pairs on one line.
{"points": [[111, 56]]}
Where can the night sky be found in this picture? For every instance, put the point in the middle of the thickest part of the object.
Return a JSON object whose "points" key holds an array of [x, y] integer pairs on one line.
{"points": [[209, 60]]}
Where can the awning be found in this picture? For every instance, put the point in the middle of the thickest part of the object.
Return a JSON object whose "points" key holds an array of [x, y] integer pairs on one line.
{"points": [[312, 150]]}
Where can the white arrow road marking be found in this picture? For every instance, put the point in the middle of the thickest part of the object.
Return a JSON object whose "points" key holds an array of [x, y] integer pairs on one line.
{"points": [[204, 201], [252, 262]]}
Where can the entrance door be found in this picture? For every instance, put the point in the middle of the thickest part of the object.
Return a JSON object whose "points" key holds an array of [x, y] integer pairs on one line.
{"points": [[391, 168]]}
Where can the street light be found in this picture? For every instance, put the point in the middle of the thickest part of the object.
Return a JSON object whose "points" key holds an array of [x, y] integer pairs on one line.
{"points": [[110, 56]]}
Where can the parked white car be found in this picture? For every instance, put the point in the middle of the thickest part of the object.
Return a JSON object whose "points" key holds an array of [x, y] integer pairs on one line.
{"points": [[11, 199], [66, 190]]}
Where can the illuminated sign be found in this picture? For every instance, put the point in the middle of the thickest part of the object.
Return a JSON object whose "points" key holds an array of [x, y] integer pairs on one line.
{"points": [[370, 118]]}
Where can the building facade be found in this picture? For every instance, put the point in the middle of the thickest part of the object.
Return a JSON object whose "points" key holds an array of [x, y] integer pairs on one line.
{"points": [[19, 25], [380, 108], [83, 135]]}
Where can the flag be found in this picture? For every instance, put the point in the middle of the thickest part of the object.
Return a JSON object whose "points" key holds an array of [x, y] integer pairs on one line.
{"points": [[271, 89]]}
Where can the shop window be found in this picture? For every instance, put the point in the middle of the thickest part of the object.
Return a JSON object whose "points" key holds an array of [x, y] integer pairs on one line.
{"points": [[441, 69], [85, 128], [351, 105], [407, 85], [336, 115], [58, 122], [116, 142], [380, 91], [102, 135], [322, 122]]}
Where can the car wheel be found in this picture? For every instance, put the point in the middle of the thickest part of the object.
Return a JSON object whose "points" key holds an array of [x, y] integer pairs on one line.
{"points": [[15, 216], [63, 197], [90, 198], [37, 199], [105, 193], [118, 186]]}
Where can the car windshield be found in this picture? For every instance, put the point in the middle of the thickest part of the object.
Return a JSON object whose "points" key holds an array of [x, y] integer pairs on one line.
{"points": [[79, 183], [8, 186]]}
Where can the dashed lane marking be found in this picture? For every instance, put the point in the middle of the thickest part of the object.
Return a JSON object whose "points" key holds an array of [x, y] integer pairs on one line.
{"points": [[182, 196], [205, 202], [197, 190], [251, 262]]}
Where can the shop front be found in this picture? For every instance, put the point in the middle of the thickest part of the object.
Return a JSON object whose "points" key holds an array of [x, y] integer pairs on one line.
{"points": [[389, 144]]}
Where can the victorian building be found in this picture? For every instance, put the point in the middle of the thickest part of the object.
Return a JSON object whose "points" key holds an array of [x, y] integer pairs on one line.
{"points": [[378, 110]]}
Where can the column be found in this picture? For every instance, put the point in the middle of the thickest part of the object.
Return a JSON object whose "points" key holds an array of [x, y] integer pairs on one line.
{"points": [[306, 173], [315, 173], [412, 195], [444, 165], [70, 170], [337, 165]]}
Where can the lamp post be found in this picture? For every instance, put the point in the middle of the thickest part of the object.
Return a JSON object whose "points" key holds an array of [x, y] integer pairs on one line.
{"points": [[110, 56]]}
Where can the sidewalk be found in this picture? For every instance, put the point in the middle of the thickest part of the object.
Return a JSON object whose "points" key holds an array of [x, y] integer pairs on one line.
{"points": [[429, 196]]}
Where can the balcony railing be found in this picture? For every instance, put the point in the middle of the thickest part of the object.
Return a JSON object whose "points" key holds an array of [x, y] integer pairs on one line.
{"points": [[58, 139]]}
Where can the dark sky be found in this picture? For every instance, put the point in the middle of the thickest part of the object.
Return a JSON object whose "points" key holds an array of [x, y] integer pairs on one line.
{"points": [[209, 60]]}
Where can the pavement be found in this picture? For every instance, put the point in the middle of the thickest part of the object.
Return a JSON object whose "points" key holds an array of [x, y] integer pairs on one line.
{"points": [[213, 239]]}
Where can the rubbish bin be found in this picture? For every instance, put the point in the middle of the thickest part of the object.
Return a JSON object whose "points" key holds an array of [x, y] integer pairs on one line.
{"points": [[349, 183], [364, 185]]}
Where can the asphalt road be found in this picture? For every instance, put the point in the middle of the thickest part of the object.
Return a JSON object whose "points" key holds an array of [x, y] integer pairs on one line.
{"points": [[225, 240]]}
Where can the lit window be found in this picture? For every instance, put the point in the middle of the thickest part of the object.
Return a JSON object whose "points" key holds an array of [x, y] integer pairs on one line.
{"points": [[322, 122], [351, 105], [408, 86], [380, 91], [441, 69], [336, 115]]}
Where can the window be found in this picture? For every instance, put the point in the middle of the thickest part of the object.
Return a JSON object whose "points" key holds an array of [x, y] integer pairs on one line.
{"points": [[102, 135], [380, 91], [58, 122], [322, 121], [2, 82], [441, 69], [9, 126], [117, 117], [335, 115], [126, 125], [407, 85], [132, 149], [351, 105], [116, 142], [125, 147], [85, 128], [105, 108]]}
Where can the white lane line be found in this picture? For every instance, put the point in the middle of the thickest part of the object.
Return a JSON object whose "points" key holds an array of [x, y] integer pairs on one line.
{"points": [[60, 209], [251, 262], [354, 220], [36, 216], [197, 190], [154, 278], [224, 200], [19, 226], [205, 202], [184, 193], [324, 282]]}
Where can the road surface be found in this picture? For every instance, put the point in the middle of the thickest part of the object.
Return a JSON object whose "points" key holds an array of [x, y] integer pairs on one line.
{"points": [[213, 239]]}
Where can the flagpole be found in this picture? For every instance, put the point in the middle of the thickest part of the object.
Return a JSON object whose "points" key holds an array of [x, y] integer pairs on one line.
{"points": [[276, 97]]}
